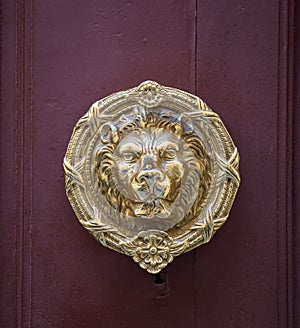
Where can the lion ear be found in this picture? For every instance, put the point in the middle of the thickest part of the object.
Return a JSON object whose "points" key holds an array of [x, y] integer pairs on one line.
{"points": [[109, 133], [187, 122]]}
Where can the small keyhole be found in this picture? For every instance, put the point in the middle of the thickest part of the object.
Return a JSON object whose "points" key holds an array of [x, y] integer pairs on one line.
{"points": [[157, 279]]}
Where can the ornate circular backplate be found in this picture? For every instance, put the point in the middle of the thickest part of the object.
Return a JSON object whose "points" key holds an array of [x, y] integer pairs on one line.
{"points": [[151, 172]]}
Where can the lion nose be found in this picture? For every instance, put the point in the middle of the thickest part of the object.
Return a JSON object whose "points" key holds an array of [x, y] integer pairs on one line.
{"points": [[150, 177]]}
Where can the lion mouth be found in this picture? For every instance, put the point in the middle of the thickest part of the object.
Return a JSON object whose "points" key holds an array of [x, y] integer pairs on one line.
{"points": [[153, 207]]}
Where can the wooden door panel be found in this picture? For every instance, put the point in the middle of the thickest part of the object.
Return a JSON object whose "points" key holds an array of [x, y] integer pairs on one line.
{"points": [[57, 58], [237, 59]]}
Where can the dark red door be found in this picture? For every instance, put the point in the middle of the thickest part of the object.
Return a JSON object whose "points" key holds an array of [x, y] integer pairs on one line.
{"points": [[60, 56]]}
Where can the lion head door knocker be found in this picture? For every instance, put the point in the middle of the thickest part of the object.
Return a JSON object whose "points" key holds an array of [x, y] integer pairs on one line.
{"points": [[151, 172]]}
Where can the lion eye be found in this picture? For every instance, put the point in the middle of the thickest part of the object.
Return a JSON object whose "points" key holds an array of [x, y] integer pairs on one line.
{"points": [[129, 156], [169, 154]]}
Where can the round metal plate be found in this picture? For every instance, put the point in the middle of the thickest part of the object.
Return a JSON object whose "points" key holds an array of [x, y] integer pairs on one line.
{"points": [[151, 172]]}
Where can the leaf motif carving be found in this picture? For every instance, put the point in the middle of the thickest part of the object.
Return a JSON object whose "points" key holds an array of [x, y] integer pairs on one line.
{"points": [[72, 174], [178, 248], [209, 225], [93, 118], [230, 166]]}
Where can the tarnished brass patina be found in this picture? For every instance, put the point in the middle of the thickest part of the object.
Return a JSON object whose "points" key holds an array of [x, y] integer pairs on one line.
{"points": [[151, 172]]}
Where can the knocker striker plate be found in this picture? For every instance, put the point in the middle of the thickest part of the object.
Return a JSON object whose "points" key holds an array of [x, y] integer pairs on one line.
{"points": [[151, 172]]}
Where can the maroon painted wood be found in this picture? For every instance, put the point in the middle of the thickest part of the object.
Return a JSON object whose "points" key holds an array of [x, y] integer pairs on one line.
{"points": [[60, 56], [296, 171], [238, 74]]}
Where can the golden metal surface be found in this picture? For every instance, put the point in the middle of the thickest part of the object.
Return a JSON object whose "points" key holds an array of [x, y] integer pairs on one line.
{"points": [[151, 172]]}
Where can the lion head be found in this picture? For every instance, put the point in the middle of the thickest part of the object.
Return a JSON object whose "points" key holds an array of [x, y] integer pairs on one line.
{"points": [[152, 169]]}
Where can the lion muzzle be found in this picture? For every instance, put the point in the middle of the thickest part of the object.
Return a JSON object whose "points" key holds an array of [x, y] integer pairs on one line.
{"points": [[151, 184]]}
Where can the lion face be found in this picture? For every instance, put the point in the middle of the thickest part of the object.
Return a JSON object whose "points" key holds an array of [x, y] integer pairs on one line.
{"points": [[151, 168], [148, 168]]}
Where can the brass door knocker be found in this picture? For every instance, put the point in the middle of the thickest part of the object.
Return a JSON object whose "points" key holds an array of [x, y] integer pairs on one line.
{"points": [[151, 172]]}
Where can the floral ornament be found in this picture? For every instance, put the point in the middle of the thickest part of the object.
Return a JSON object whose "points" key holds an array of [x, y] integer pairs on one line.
{"points": [[151, 250], [150, 94]]}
